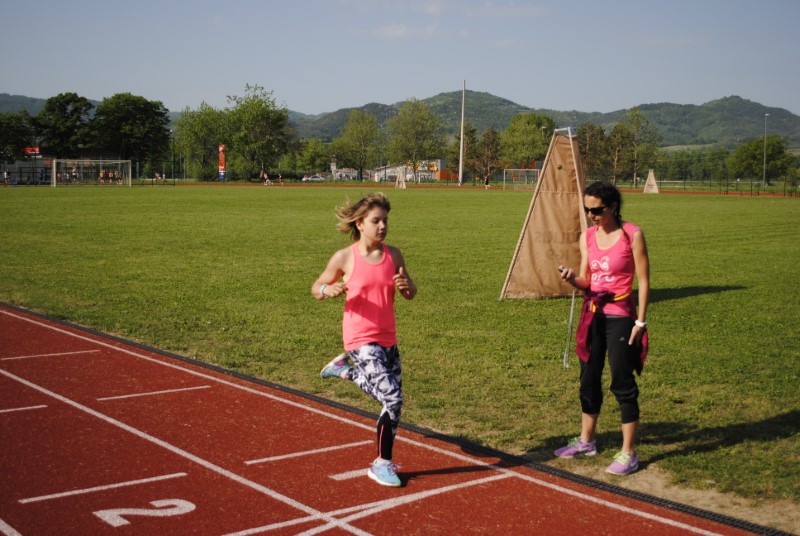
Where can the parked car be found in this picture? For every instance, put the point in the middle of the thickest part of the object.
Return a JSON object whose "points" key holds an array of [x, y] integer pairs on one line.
{"points": [[313, 178]]}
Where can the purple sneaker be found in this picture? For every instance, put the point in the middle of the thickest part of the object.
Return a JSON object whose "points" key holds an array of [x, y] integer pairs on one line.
{"points": [[575, 447], [624, 464], [337, 367]]}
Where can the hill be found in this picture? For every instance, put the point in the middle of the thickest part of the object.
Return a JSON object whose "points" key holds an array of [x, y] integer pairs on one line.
{"points": [[724, 122]]}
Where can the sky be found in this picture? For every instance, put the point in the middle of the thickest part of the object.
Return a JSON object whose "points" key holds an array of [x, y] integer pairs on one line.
{"points": [[318, 56]]}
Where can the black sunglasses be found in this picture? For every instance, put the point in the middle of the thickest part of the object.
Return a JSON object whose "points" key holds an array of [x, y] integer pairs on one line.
{"points": [[596, 211]]}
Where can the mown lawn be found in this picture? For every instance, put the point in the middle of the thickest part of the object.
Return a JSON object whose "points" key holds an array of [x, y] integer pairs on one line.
{"points": [[222, 274]]}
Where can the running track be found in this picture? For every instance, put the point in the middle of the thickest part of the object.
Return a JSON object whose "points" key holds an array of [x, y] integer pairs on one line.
{"points": [[102, 436]]}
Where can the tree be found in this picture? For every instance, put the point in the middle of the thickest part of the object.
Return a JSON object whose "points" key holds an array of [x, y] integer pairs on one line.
{"points": [[593, 146], [643, 141], [62, 123], [131, 127], [414, 135], [358, 144], [16, 133], [526, 139], [487, 156], [259, 130], [313, 156], [747, 161], [198, 135], [619, 143]]}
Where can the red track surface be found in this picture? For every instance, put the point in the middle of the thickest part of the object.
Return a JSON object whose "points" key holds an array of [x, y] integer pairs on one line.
{"points": [[102, 437]]}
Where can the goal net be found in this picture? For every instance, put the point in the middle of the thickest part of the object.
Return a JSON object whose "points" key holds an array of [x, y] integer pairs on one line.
{"points": [[520, 178], [67, 172]]}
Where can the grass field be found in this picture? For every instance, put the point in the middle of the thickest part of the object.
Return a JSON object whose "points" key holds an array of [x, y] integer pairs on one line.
{"points": [[222, 274]]}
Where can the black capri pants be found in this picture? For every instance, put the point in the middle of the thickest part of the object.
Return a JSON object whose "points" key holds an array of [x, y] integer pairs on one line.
{"points": [[611, 333]]}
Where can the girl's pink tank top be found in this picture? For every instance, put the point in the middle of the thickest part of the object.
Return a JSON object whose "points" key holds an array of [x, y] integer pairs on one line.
{"points": [[369, 306], [612, 269]]}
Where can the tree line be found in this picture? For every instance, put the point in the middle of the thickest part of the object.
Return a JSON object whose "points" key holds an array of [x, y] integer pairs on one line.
{"points": [[259, 137]]}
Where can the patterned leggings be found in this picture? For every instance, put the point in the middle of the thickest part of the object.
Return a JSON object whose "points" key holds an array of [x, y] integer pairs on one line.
{"points": [[378, 373]]}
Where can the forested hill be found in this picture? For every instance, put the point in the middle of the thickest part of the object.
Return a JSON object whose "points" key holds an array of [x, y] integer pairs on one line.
{"points": [[724, 122]]}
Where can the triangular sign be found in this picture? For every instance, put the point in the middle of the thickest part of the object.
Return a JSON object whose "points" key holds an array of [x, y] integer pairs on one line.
{"points": [[552, 227], [651, 186]]}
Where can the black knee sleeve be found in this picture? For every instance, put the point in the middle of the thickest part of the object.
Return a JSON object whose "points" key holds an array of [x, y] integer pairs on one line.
{"points": [[385, 436]]}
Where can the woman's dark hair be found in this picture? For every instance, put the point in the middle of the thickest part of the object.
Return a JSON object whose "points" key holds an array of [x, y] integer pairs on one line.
{"points": [[609, 195]]}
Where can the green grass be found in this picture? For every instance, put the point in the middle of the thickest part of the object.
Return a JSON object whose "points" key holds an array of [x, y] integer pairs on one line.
{"points": [[222, 274]]}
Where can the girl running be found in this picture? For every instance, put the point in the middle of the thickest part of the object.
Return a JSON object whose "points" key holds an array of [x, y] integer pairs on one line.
{"points": [[368, 273]]}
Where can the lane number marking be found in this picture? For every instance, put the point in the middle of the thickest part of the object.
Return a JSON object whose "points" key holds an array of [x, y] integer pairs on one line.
{"points": [[162, 508]]}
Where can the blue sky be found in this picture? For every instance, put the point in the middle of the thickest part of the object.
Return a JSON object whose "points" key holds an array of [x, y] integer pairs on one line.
{"points": [[322, 55]]}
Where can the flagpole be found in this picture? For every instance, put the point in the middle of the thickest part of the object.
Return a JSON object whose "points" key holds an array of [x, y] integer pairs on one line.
{"points": [[461, 150]]}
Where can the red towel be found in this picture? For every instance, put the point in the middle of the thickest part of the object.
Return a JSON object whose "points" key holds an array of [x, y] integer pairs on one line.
{"points": [[591, 302]]}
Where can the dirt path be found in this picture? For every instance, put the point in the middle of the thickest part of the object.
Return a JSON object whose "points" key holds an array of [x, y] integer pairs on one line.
{"points": [[781, 515]]}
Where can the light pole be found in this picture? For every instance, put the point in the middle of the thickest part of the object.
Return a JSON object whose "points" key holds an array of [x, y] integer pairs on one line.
{"points": [[764, 172]]}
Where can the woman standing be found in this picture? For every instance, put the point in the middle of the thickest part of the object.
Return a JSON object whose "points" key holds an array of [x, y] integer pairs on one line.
{"points": [[612, 252], [369, 272]]}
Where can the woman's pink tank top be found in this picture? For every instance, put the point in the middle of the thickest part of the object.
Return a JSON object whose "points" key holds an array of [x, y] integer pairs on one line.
{"points": [[369, 306], [612, 269]]}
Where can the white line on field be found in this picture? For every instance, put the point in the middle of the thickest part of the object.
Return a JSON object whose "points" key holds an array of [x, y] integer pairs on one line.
{"points": [[9, 410], [48, 355], [101, 488], [349, 475], [155, 392], [307, 452], [8, 530]]}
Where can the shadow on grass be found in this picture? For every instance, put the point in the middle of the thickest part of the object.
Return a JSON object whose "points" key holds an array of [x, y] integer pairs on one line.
{"points": [[690, 439], [683, 439], [667, 294]]}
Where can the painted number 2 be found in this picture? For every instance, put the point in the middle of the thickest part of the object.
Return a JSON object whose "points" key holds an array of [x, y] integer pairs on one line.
{"points": [[163, 508]]}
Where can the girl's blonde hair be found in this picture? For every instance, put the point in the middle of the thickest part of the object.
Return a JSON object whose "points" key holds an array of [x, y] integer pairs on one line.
{"points": [[349, 214]]}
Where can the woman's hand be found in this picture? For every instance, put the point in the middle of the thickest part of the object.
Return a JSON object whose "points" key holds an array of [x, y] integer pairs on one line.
{"points": [[636, 335], [567, 274]]}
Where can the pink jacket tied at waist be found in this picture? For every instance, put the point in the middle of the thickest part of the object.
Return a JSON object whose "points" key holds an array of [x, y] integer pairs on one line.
{"points": [[592, 301]]}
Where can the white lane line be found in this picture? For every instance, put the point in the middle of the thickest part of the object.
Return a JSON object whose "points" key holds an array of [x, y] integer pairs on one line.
{"points": [[273, 526], [349, 475], [308, 452], [399, 501], [8, 530], [191, 457], [48, 355], [356, 424], [9, 410], [299, 405], [101, 488], [615, 506], [156, 392]]}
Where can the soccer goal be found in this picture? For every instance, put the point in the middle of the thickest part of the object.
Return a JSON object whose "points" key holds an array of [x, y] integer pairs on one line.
{"points": [[520, 178], [67, 172]]}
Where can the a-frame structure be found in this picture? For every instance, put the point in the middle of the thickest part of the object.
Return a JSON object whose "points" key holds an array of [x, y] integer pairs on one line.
{"points": [[651, 186], [552, 227]]}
